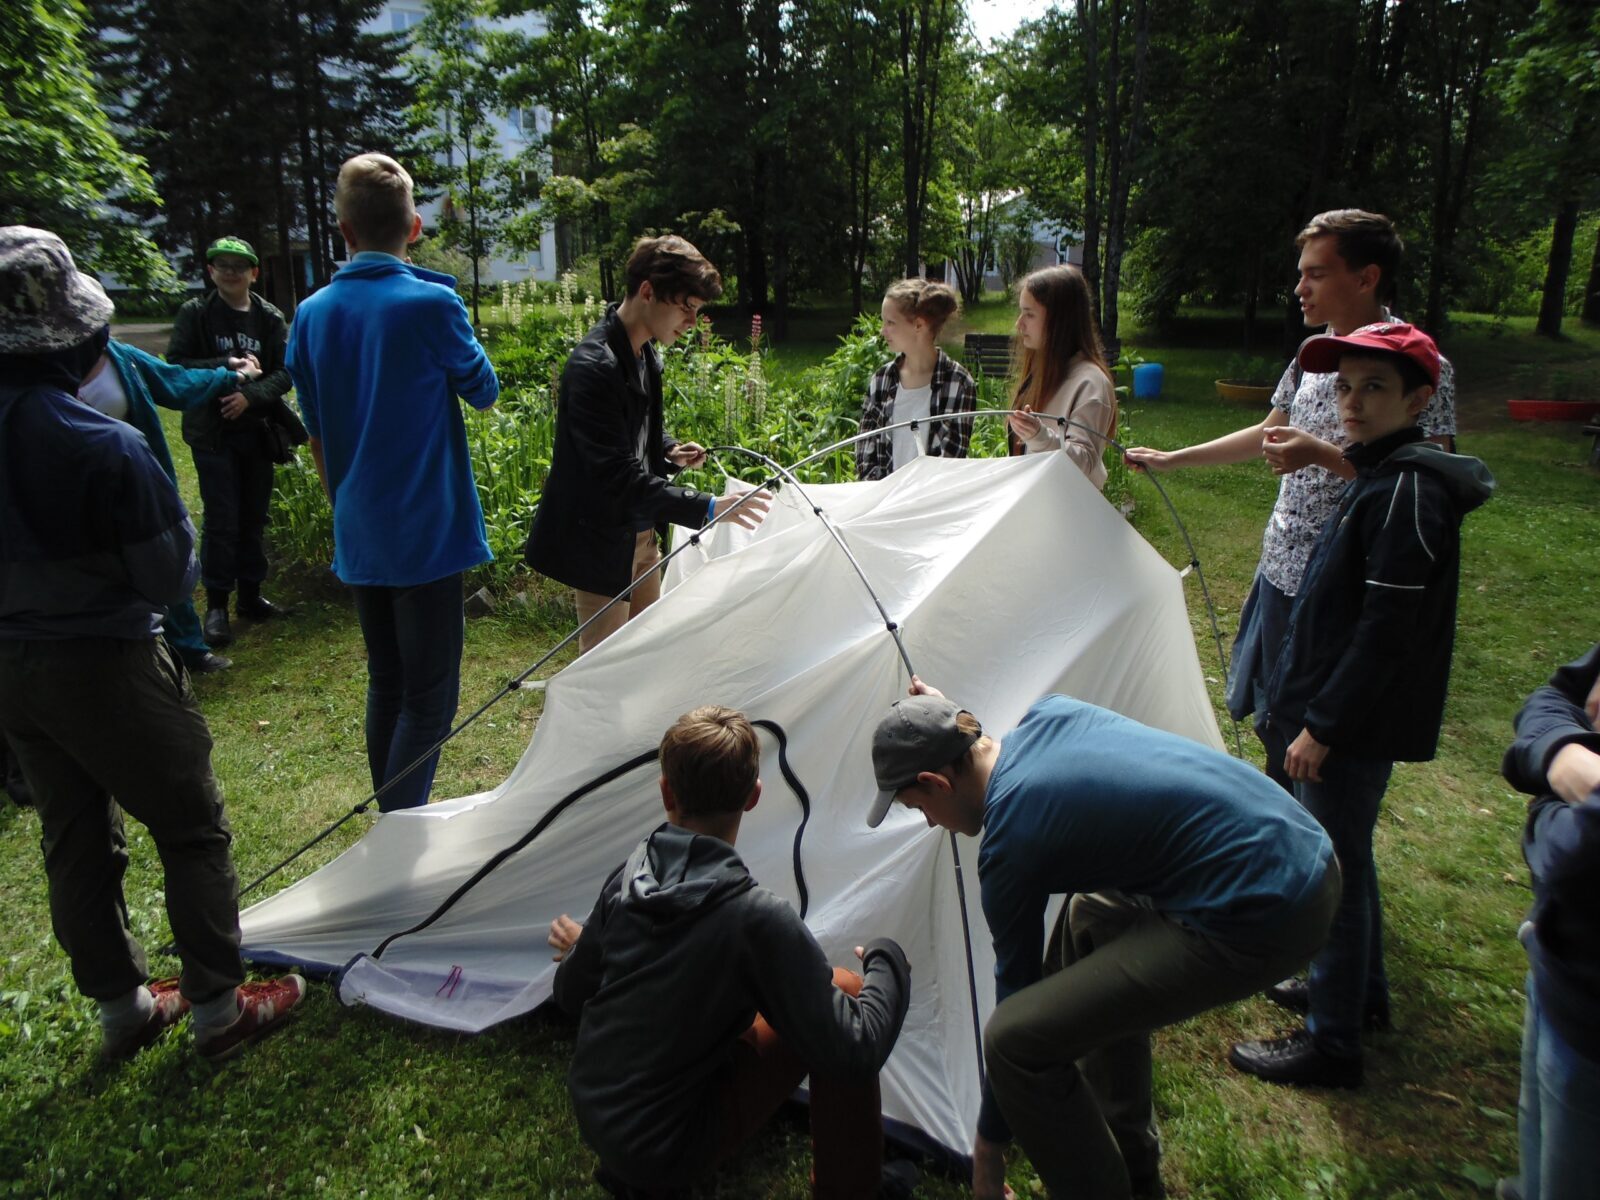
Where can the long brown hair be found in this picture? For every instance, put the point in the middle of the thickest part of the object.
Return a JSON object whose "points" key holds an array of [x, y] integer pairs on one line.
{"points": [[1069, 330]]}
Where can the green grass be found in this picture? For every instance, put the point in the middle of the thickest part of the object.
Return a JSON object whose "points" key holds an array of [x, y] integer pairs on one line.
{"points": [[348, 1102]]}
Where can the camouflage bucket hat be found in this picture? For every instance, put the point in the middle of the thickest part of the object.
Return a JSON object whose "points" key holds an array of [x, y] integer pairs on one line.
{"points": [[46, 303], [235, 246]]}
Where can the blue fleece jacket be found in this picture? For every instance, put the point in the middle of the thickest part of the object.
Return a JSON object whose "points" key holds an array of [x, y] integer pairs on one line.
{"points": [[378, 358]]}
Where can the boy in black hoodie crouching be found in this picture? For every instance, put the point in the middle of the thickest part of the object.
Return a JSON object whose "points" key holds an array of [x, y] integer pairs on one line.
{"points": [[1360, 681], [703, 1000]]}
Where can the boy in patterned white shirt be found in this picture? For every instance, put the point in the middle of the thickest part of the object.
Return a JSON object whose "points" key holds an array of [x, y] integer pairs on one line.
{"points": [[1348, 260]]}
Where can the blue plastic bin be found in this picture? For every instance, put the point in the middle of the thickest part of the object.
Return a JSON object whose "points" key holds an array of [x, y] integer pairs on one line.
{"points": [[1147, 381]]}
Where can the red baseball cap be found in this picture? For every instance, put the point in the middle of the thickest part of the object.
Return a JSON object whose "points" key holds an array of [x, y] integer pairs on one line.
{"points": [[1321, 354]]}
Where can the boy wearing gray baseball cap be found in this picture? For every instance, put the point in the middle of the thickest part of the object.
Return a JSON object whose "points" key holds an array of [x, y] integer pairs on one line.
{"points": [[1194, 881]]}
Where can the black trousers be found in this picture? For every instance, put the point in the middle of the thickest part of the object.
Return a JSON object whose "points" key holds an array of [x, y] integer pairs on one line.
{"points": [[235, 491], [102, 726]]}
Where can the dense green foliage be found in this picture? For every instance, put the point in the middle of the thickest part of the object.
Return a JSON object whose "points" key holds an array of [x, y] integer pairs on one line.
{"points": [[717, 392], [62, 167], [244, 111]]}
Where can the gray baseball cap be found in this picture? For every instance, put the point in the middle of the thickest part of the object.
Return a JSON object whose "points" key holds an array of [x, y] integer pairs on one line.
{"points": [[46, 303], [919, 734]]}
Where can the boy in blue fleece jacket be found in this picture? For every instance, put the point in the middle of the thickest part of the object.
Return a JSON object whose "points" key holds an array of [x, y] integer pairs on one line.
{"points": [[1360, 680], [1556, 760], [378, 358]]}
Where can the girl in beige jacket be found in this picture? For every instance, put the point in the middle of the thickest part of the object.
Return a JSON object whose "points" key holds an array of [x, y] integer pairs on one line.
{"points": [[1061, 372]]}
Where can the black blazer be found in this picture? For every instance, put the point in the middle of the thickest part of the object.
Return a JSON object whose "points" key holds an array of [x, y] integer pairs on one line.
{"points": [[599, 494]]}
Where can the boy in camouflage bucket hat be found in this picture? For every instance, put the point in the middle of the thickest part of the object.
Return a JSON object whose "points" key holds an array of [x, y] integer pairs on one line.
{"points": [[46, 303]]}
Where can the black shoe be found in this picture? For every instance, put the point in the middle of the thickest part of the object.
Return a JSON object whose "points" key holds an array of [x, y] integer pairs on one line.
{"points": [[258, 608], [1295, 995], [218, 632], [898, 1180], [205, 663], [1295, 1059]]}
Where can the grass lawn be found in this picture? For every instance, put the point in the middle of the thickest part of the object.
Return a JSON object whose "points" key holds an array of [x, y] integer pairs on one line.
{"points": [[350, 1103]]}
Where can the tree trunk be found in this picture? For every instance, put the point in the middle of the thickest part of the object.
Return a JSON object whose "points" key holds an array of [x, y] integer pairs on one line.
{"points": [[1590, 313], [467, 131], [1088, 21], [1556, 272], [1126, 157]]}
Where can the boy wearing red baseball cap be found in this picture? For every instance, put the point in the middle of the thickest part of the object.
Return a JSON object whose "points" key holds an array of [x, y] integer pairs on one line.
{"points": [[1360, 679]]}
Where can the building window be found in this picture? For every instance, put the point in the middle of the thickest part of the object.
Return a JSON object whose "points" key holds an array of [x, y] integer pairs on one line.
{"points": [[402, 19]]}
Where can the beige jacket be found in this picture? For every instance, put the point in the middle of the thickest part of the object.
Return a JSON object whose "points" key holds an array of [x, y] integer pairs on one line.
{"points": [[1086, 397]]}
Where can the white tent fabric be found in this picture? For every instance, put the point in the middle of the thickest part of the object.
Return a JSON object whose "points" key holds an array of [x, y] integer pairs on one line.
{"points": [[1008, 578]]}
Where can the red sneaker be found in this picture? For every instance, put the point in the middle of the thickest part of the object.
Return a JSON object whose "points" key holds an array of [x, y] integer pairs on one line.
{"points": [[168, 1011], [263, 1007]]}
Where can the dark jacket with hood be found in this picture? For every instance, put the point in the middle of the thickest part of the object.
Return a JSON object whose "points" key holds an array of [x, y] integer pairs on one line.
{"points": [[680, 953], [1366, 657], [601, 492], [193, 344], [1562, 846]]}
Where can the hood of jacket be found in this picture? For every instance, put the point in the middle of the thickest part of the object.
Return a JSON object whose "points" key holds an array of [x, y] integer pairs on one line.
{"points": [[675, 875], [1466, 478]]}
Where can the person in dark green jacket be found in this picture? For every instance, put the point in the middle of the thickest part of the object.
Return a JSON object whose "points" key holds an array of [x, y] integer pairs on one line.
{"points": [[234, 440], [127, 384]]}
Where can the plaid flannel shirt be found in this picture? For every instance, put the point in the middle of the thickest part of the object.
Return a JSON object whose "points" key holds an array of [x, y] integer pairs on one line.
{"points": [[953, 392]]}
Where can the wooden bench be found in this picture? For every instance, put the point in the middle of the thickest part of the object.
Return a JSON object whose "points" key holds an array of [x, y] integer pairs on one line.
{"points": [[987, 354], [1592, 429]]}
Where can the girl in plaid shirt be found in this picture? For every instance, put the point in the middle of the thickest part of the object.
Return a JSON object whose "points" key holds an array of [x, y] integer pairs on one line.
{"points": [[922, 381]]}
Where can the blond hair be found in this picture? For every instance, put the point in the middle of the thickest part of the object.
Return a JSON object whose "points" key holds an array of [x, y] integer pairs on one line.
{"points": [[711, 759], [924, 299], [373, 198]]}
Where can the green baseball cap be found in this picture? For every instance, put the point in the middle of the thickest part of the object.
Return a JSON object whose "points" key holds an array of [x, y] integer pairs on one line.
{"points": [[232, 245]]}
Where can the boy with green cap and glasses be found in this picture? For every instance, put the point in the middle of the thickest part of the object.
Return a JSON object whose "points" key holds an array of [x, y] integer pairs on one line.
{"points": [[233, 439]]}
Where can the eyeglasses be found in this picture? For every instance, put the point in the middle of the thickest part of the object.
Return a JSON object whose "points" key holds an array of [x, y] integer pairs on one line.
{"points": [[231, 266]]}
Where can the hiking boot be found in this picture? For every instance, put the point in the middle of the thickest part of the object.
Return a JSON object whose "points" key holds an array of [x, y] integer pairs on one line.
{"points": [[207, 663], [218, 633], [167, 1010], [263, 1007], [1295, 1060], [258, 608], [1295, 995]]}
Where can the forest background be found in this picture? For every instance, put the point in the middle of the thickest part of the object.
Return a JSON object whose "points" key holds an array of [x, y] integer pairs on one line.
{"points": [[816, 151]]}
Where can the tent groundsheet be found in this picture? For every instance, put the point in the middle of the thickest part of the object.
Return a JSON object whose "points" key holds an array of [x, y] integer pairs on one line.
{"points": [[1007, 578]]}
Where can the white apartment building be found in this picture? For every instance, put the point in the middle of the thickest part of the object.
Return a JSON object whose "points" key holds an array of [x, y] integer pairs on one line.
{"points": [[513, 132]]}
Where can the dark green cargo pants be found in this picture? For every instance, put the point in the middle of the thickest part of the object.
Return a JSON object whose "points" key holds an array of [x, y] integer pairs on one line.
{"points": [[1069, 1056], [95, 718]]}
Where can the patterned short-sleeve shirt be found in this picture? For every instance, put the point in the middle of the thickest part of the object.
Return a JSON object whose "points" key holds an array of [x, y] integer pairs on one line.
{"points": [[1308, 496]]}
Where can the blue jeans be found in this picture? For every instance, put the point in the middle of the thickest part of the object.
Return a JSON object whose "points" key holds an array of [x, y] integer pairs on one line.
{"points": [[1262, 623], [414, 638], [1347, 976], [1558, 1113]]}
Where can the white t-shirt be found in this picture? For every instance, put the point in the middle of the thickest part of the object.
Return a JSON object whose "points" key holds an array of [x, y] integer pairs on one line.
{"points": [[104, 393], [910, 404]]}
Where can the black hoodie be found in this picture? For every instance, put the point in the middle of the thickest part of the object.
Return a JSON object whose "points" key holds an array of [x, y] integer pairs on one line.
{"points": [[1366, 657], [682, 950], [1562, 846]]}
